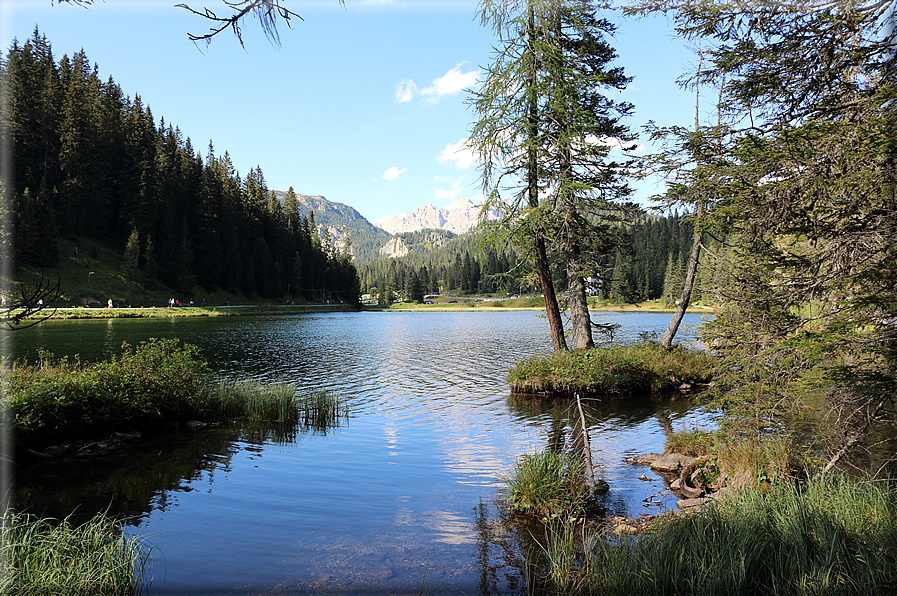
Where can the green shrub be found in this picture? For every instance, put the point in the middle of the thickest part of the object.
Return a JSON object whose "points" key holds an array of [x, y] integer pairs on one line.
{"points": [[147, 385]]}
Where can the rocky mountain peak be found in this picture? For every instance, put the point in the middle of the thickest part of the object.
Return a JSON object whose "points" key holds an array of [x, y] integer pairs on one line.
{"points": [[459, 220]]}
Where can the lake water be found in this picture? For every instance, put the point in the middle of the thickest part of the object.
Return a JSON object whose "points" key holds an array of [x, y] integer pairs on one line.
{"points": [[404, 494]]}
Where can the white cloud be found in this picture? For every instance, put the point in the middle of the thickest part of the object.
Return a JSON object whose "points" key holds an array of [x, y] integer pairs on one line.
{"points": [[405, 90], [448, 84], [393, 173], [444, 194], [452, 82], [459, 154]]}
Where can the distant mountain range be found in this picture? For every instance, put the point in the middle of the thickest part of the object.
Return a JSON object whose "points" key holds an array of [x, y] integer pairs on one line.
{"points": [[370, 242], [458, 220]]}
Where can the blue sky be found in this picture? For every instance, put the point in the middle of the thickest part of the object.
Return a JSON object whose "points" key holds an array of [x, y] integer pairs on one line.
{"points": [[364, 104]]}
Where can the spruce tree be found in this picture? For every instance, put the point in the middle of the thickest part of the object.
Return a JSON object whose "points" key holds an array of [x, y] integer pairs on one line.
{"points": [[803, 173], [131, 256]]}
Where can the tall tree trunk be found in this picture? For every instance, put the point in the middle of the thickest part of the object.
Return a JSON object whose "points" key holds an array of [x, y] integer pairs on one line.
{"points": [[580, 321], [667, 340], [542, 265], [551, 302]]}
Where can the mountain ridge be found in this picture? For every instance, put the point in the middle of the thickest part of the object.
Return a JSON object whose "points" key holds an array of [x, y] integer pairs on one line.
{"points": [[457, 220], [372, 241]]}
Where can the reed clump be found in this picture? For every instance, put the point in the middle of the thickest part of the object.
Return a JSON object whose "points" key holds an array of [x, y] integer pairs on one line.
{"points": [[43, 557], [548, 485], [619, 370], [276, 402], [321, 410], [828, 535]]}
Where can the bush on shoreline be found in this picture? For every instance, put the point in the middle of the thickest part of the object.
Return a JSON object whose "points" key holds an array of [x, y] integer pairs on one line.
{"points": [[619, 370], [147, 387]]}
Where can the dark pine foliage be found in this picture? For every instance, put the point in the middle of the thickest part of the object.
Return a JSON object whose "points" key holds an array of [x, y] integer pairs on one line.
{"points": [[90, 162]]}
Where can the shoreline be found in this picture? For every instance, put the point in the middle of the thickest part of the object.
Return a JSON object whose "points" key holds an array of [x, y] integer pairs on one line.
{"points": [[162, 312], [151, 312]]}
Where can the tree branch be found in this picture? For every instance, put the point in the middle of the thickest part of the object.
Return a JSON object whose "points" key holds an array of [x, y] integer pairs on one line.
{"points": [[27, 305]]}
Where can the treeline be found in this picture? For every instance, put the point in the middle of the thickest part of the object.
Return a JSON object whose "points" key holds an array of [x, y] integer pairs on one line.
{"points": [[90, 162], [653, 264], [650, 266]]}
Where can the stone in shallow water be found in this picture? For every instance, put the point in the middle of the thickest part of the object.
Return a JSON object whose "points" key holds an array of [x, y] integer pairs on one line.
{"points": [[671, 462], [645, 459], [381, 573]]}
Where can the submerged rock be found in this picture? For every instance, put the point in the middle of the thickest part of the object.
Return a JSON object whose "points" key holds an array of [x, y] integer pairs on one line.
{"points": [[645, 459]]}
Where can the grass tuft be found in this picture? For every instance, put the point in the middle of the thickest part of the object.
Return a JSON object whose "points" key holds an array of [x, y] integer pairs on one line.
{"points": [[47, 558], [547, 485], [274, 402]]}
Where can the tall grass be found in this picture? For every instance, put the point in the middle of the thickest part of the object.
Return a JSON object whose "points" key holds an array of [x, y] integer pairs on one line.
{"points": [[830, 535], [45, 558], [548, 485], [321, 409], [273, 402], [620, 370]]}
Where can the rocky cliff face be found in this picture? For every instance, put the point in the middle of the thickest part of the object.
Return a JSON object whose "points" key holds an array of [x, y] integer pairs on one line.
{"points": [[458, 220], [394, 248]]}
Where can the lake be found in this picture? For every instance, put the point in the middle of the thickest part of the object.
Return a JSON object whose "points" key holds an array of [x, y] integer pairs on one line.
{"points": [[402, 495]]}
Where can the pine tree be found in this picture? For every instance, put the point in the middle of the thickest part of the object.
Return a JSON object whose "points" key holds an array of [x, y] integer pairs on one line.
{"points": [[555, 132], [131, 256], [151, 267], [508, 134], [802, 173]]}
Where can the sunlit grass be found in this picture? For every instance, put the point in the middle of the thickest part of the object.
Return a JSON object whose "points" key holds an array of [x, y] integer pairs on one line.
{"points": [[830, 535], [620, 370], [744, 460], [44, 557]]}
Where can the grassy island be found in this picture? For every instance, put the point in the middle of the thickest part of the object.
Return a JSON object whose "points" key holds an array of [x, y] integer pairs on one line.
{"points": [[643, 368]]}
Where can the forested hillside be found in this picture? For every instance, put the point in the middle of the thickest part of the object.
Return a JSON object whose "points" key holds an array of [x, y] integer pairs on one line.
{"points": [[346, 225], [91, 163], [650, 266]]}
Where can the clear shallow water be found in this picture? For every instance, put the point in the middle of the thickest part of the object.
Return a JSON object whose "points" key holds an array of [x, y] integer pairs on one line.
{"points": [[405, 493]]}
